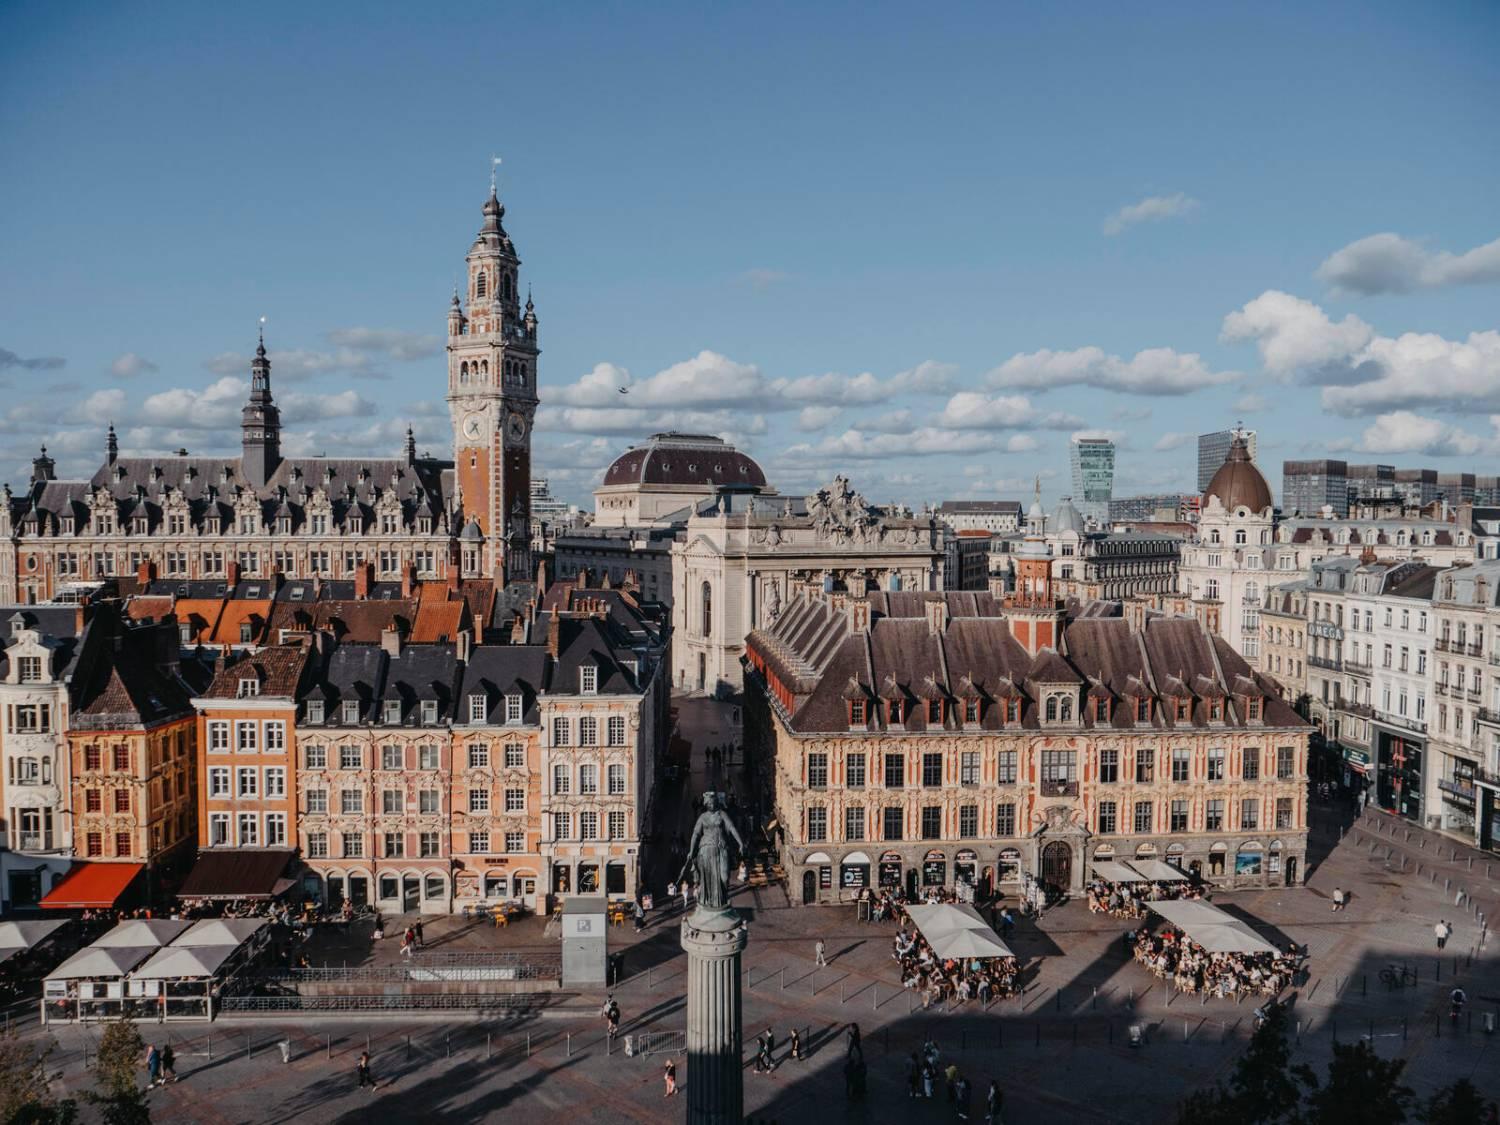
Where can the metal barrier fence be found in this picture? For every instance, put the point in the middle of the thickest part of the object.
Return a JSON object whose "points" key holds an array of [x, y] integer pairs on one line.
{"points": [[421, 970], [488, 1002], [656, 1043]]}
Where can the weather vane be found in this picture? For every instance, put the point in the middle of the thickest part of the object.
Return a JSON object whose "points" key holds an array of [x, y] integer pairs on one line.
{"points": [[495, 163], [262, 330]]}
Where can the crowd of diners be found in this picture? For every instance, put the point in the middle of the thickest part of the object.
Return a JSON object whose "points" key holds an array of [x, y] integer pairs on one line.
{"points": [[1171, 955], [952, 980], [1128, 900]]}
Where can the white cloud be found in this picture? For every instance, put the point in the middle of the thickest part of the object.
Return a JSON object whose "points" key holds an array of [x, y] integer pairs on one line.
{"points": [[1405, 432], [1021, 443], [1295, 337], [387, 341], [925, 441], [889, 422], [814, 418], [1151, 209], [299, 363], [639, 423], [103, 406], [973, 410], [215, 407], [1169, 441], [1390, 263], [1154, 371], [1250, 403], [314, 408], [1364, 372], [1116, 436], [599, 387], [129, 365]]}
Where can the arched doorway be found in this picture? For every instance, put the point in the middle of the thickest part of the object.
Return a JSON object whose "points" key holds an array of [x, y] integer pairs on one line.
{"points": [[987, 883], [1291, 871], [809, 888], [1057, 865], [411, 893]]}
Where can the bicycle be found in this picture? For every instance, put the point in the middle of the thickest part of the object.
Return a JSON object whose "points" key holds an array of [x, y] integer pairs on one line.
{"points": [[1398, 976]]}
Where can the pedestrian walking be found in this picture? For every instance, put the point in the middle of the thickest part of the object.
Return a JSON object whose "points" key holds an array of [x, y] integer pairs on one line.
{"points": [[770, 1049], [744, 872], [1443, 931], [993, 1101], [286, 1050], [168, 1064], [962, 1090], [914, 1076], [612, 1017], [950, 1081], [406, 944], [640, 918], [153, 1066], [820, 954], [853, 1045], [671, 894], [362, 1072], [1338, 899], [1007, 923], [796, 1052], [417, 930], [669, 1078], [762, 1055]]}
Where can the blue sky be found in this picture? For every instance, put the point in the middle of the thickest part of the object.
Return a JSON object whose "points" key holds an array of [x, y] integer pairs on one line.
{"points": [[922, 245]]}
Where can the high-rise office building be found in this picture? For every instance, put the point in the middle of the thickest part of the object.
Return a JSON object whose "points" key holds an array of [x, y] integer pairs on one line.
{"points": [[1308, 486], [1093, 461], [1213, 450]]}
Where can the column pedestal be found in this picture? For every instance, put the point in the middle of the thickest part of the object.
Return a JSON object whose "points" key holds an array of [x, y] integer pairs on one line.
{"points": [[713, 942]]}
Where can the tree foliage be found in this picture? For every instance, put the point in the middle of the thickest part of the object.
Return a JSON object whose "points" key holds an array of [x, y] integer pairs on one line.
{"points": [[1261, 1091], [119, 1098], [26, 1084], [1458, 1104], [1362, 1089]]}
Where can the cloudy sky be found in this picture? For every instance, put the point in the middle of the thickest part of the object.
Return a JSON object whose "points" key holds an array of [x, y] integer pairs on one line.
{"points": [[921, 245]]}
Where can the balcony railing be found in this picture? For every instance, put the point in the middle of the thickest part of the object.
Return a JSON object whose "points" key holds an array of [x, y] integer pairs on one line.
{"points": [[1362, 710], [1059, 788], [1332, 663], [1443, 644], [1476, 648], [1359, 667], [1487, 715]]}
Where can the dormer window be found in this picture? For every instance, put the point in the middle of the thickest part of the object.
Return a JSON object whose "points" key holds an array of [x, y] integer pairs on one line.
{"points": [[1142, 710], [1052, 708], [429, 712], [1216, 710], [315, 710], [249, 688], [350, 713], [856, 712], [588, 679], [247, 632], [934, 710], [1101, 710], [971, 710], [894, 711], [392, 711], [31, 669], [479, 708], [1184, 710], [284, 526], [1252, 710], [1013, 711], [513, 707]]}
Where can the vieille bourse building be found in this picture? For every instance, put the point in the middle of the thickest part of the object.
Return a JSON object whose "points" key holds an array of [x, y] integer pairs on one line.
{"points": [[920, 739], [261, 513]]}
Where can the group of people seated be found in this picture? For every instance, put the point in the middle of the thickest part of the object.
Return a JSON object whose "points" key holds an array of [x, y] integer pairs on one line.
{"points": [[1128, 900], [1171, 955], [949, 979], [885, 904]]}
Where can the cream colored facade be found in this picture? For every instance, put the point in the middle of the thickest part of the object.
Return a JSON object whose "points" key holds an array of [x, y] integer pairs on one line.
{"points": [[737, 565], [34, 714]]}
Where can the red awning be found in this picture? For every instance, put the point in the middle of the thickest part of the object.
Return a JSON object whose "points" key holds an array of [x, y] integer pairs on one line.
{"points": [[92, 885]]}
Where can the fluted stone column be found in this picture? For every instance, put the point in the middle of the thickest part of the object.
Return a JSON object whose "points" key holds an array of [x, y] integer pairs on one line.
{"points": [[713, 942]]}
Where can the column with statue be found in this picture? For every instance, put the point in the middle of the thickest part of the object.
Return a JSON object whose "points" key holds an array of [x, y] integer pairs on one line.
{"points": [[713, 937]]}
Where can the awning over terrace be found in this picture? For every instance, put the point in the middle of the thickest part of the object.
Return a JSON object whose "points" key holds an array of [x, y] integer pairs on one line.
{"points": [[958, 932], [1212, 928]]}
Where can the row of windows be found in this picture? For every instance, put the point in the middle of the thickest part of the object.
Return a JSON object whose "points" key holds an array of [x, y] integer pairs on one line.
{"points": [[352, 845], [247, 736], [247, 782], [247, 830], [1143, 819], [588, 731], [1057, 765], [393, 757], [28, 718], [587, 825], [389, 563], [588, 779]]}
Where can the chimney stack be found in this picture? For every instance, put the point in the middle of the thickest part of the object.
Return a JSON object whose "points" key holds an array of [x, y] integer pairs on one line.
{"points": [[465, 644], [363, 577], [554, 633], [145, 573], [581, 580], [541, 577], [518, 630], [937, 615], [390, 640], [408, 579]]}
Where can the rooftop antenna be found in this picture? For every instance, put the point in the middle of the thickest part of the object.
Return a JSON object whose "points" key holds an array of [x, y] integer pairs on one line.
{"points": [[495, 163], [262, 330]]}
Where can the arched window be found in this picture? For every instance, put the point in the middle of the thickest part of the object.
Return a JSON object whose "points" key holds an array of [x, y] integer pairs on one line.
{"points": [[484, 368], [708, 609], [1052, 708], [463, 372], [479, 284], [1213, 536], [1066, 712], [1239, 537]]}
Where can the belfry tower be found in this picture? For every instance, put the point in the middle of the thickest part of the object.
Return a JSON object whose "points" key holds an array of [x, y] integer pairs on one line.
{"points": [[492, 399]]}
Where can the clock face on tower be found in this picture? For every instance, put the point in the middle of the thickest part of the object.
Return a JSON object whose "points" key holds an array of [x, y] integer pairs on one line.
{"points": [[473, 426], [515, 428]]}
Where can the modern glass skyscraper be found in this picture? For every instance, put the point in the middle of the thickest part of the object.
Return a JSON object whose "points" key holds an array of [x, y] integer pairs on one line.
{"points": [[1093, 476], [1213, 450]]}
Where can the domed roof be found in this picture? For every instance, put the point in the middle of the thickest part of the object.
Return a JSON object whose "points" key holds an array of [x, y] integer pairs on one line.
{"points": [[1238, 483], [684, 460], [1068, 518]]}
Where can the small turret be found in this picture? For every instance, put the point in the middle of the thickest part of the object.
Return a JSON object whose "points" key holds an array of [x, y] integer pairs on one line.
{"points": [[455, 316], [410, 448], [43, 467], [111, 446], [530, 320]]}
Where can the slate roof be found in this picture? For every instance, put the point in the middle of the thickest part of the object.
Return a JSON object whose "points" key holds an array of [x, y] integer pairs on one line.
{"points": [[812, 650], [123, 680], [684, 459], [58, 626]]}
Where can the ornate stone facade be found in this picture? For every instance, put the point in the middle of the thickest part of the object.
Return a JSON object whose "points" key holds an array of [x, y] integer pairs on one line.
{"points": [[262, 513], [744, 558]]}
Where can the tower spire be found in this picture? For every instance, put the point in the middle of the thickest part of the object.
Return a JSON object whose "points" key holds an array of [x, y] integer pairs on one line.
{"points": [[112, 445]]}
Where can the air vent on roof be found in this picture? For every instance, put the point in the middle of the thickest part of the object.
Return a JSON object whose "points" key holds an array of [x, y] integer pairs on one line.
{"points": [[182, 591], [296, 593], [252, 591], [219, 589]]}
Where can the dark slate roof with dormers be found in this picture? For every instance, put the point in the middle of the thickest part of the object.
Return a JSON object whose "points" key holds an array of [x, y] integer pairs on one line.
{"points": [[815, 654], [57, 626], [496, 671], [128, 675]]}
